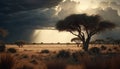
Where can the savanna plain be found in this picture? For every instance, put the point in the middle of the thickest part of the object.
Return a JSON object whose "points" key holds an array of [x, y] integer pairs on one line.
{"points": [[60, 56]]}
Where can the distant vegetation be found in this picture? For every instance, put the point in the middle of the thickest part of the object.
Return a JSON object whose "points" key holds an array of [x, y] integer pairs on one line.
{"points": [[45, 51], [11, 50], [63, 54], [20, 43]]}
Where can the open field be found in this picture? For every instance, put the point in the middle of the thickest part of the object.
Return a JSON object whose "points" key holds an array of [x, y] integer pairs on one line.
{"points": [[51, 47], [56, 47], [49, 56]]}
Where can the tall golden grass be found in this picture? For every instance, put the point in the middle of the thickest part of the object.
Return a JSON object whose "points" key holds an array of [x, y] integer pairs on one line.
{"points": [[6, 61], [101, 63], [56, 64]]}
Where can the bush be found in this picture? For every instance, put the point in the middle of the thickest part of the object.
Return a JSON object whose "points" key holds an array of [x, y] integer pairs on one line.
{"points": [[103, 47], [110, 50], [63, 54], [33, 61], [6, 61], [45, 51], [12, 50], [94, 51], [76, 55], [116, 48], [24, 56]]}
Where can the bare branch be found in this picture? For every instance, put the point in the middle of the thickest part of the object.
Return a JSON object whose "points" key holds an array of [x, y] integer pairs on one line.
{"points": [[73, 33]]}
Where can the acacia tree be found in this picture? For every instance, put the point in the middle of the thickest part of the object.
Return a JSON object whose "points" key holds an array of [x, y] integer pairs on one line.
{"points": [[84, 26], [76, 40], [20, 43]]}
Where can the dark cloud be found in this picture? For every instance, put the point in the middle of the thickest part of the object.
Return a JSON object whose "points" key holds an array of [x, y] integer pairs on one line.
{"points": [[118, 1], [116, 6], [22, 17], [33, 18], [11, 6], [110, 14], [22, 25]]}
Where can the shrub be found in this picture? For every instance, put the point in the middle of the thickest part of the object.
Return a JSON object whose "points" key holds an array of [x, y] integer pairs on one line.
{"points": [[109, 50], [24, 56], [33, 61], [76, 55], [12, 50], [103, 47], [94, 51], [6, 61], [45, 51], [63, 54], [116, 48]]}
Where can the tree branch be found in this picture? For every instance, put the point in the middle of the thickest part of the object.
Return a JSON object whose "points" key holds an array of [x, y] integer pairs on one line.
{"points": [[93, 32], [82, 36], [73, 33]]}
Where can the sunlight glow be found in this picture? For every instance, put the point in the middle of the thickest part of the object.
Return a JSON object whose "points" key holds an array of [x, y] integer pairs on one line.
{"points": [[84, 5], [51, 36]]}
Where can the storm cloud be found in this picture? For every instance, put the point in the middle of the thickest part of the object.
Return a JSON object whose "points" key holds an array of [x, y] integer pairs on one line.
{"points": [[22, 17], [11, 6]]}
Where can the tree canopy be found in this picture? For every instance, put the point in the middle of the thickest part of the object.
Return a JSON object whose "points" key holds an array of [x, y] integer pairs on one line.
{"points": [[91, 24]]}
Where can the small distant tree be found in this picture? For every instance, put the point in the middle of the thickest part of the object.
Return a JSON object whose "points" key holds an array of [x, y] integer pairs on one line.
{"points": [[113, 41], [20, 43], [77, 41], [110, 40], [99, 41], [84, 26], [117, 42]]}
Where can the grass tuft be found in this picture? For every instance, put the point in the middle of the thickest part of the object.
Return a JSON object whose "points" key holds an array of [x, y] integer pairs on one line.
{"points": [[6, 61]]}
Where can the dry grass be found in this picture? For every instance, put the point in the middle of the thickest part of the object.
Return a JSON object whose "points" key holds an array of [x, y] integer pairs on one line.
{"points": [[6, 61], [56, 64], [101, 63], [24, 66], [87, 61]]}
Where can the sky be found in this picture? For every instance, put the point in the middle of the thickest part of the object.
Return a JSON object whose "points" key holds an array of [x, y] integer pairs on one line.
{"points": [[22, 18]]}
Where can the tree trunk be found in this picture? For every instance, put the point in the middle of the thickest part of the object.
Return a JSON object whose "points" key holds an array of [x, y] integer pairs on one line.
{"points": [[86, 44]]}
